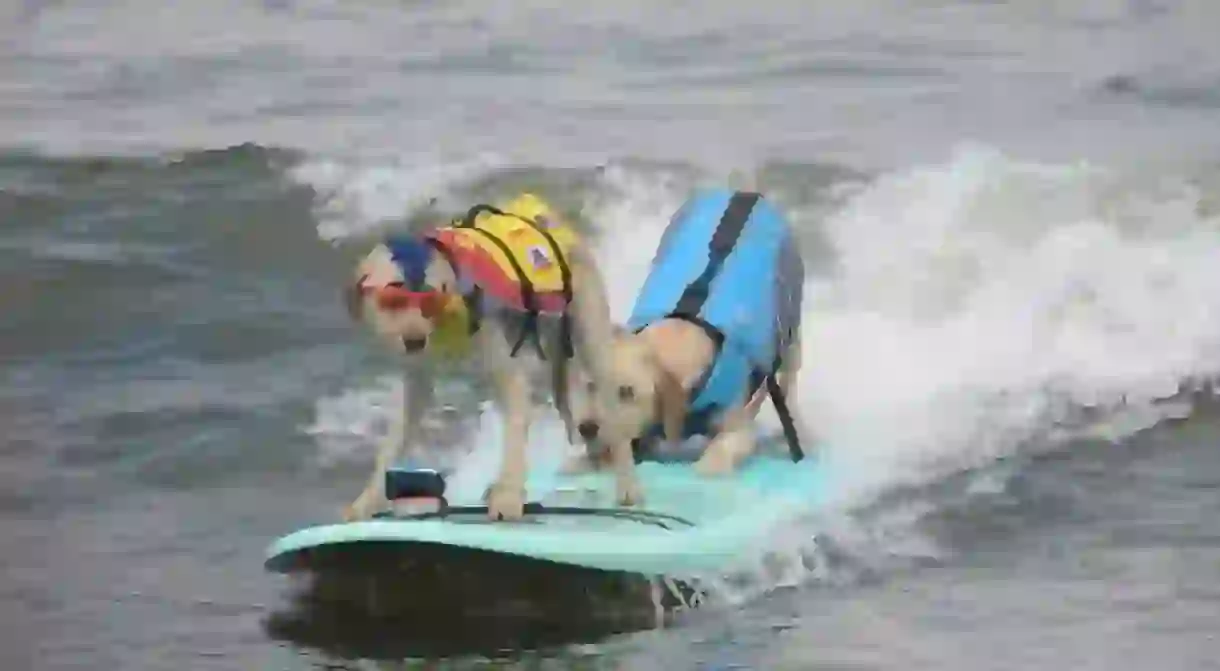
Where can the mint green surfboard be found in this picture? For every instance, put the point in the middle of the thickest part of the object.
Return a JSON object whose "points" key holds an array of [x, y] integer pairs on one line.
{"points": [[688, 524]]}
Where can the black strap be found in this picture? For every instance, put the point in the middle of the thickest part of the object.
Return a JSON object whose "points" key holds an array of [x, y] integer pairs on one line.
{"points": [[528, 298], [473, 300], [785, 419], [474, 309], [724, 238], [474, 212], [644, 448], [565, 275]]}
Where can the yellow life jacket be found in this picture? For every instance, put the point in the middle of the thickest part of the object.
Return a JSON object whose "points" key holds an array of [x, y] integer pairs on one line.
{"points": [[516, 253]]}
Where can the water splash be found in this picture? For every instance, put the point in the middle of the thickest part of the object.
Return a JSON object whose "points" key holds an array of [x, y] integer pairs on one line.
{"points": [[972, 308]]}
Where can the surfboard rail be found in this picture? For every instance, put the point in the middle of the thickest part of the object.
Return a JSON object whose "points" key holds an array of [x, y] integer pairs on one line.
{"points": [[688, 523]]}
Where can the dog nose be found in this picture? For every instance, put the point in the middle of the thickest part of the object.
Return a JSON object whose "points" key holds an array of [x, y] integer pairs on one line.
{"points": [[414, 344], [587, 429]]}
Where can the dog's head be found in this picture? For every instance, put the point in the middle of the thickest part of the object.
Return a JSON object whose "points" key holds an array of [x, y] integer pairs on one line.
{"points": [[640, 394], [400, 289]]}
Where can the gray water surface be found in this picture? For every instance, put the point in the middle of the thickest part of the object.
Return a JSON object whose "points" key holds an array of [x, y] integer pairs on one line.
{"points": [[172, 313]]}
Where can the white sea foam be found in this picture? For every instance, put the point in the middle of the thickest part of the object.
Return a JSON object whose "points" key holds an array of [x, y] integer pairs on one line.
{"points": [[975, 306]]}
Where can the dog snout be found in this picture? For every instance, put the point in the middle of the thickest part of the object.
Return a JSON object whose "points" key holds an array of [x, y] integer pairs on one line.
{"points": [[588, 429], [414, 344]]}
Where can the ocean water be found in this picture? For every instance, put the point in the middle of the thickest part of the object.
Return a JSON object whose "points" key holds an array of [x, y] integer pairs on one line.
{"points": [[1011, 212]]}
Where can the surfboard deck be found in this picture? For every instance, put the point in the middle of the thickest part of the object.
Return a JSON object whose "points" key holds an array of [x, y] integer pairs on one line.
{"points": [[687, 524]]}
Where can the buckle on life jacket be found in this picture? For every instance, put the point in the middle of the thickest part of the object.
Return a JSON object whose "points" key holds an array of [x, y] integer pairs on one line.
{"points": [[529, 300]]}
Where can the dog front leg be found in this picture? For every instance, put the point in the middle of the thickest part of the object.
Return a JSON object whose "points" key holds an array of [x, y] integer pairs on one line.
{"points": [[404, 428], [626, 485], [506, 497]]}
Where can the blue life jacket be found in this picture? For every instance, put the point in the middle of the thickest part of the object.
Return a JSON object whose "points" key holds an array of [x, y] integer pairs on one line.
{"points": [[729, 263]]}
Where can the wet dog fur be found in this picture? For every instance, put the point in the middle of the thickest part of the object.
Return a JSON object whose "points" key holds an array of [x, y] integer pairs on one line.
{"points": [[653, 373], [407, 331]]}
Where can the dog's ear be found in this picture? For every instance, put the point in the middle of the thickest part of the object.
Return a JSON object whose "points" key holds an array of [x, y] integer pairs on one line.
{"points": [[353, 300], [671, 402], [439, 275]]}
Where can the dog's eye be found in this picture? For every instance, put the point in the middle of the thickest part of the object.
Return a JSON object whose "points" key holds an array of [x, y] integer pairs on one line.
{"points": [[398, 285], [626, 393]]}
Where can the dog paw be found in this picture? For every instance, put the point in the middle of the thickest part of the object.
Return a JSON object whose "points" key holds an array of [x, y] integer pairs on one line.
{"points": [[505, 502], [628, 492], [364, 507], [577, 463], [714, 463]]}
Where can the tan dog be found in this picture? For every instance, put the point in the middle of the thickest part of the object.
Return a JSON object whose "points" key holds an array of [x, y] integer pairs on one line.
{"points": [[655, 372], [715, 327], [483, 287]]}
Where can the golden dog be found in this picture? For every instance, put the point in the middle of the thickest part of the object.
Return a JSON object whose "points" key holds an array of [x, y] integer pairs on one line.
{"points": [[716, 326], [459, 291]]}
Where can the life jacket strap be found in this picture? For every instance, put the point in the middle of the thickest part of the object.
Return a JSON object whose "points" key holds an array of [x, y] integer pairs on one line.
{"points": [[728, 230], [690, 304], [529, 328], [785, 419], [473, 299], [528, 296]]}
